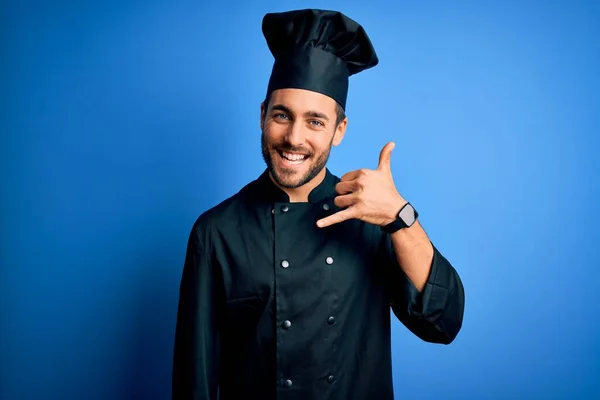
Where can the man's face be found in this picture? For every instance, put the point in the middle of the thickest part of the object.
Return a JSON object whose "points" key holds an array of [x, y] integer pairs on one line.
{"points": [[298, 131]]}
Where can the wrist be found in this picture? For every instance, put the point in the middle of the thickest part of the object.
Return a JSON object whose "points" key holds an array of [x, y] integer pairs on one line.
{"points": [[405, 217], [388, 219], [392, 213]]}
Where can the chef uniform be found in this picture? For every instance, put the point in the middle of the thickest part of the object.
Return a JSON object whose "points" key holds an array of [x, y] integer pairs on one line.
{"points": [[272, 306]]}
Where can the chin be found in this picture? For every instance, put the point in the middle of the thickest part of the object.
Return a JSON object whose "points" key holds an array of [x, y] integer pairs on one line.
{"points": [[289, 179], [293, 177]]}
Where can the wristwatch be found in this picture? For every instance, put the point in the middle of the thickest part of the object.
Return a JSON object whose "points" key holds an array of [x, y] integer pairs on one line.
{"points": [[406, 217]]}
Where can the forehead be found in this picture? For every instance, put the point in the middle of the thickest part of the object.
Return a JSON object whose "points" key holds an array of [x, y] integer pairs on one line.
{"points": [[301, 101]]}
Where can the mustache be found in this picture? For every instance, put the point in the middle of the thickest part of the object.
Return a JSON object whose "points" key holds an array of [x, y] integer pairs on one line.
{"points": [[292, 149]]}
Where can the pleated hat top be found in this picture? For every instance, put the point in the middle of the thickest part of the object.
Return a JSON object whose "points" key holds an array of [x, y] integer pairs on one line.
{"points": [[316, 50]]}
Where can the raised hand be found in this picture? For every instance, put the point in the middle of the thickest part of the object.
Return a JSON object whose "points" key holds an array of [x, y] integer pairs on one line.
{"points": [[368, 195]]}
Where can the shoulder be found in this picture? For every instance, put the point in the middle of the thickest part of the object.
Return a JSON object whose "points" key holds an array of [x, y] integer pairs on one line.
{"points": [[223, 212]]}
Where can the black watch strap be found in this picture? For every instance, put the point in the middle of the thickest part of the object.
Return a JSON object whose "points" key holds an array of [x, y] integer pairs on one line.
{"points": [[400, 223]]}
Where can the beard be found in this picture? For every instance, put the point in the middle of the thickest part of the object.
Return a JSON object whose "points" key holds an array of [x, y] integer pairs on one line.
{"points": [[290, 178]]}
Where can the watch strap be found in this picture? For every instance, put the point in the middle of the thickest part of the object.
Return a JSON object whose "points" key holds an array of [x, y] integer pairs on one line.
{"points": [[399, 223]]}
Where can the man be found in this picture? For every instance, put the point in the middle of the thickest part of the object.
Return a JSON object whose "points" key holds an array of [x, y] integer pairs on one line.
{"points": [[287, 286]]}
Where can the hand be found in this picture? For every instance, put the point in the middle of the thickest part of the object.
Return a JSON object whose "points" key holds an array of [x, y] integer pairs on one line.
{"points": [[368, 195]]}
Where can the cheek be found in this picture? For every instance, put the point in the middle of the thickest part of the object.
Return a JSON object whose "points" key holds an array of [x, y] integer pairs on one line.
{"points": [[273, 134], [322, 144]]}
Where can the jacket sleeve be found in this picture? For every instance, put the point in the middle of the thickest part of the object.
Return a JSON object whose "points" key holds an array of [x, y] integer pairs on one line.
{"points": [[436, 313], [196, 348]]}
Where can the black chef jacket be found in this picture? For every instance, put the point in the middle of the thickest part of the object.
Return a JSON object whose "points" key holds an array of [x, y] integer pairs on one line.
{"points": [[273, 307]]}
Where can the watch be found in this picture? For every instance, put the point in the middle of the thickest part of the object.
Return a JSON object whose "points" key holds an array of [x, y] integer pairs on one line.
{"points": [[405, 218]]}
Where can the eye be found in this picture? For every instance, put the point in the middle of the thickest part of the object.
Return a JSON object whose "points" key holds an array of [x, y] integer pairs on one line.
{"points": [[316, 123], [280, 116]]}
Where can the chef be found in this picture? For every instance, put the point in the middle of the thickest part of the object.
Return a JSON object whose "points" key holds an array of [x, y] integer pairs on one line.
{"points": [[289, 286]]}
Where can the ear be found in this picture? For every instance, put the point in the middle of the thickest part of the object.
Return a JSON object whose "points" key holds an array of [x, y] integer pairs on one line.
{"points": [[262, 115], [340, 131]]}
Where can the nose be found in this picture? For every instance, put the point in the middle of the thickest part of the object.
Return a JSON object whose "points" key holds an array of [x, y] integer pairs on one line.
{"points": [[295, 134]]}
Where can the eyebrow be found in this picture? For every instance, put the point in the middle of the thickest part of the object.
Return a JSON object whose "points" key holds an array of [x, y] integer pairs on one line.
{"points": [[313, 114], [316, 114]]}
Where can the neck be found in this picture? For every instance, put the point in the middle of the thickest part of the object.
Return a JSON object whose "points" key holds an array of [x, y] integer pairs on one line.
{"points": [[300, 194]]}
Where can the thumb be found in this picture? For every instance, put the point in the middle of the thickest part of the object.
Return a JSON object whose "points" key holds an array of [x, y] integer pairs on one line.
{"points": [[385, 157]]}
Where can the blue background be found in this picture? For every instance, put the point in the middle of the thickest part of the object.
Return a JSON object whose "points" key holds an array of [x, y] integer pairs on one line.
{"points": [[121, 122]]}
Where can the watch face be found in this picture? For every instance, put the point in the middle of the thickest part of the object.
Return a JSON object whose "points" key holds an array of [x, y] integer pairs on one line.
{"points": [[407, 214]]}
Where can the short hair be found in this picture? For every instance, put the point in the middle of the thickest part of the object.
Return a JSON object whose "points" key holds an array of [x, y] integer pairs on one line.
{"points": [[339, 110]]}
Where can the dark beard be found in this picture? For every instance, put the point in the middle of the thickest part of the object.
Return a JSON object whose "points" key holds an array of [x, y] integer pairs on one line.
{"points": [[313, 169]]}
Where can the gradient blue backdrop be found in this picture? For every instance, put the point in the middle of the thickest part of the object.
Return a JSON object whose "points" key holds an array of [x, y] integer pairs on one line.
{"points": [[121, 122]]}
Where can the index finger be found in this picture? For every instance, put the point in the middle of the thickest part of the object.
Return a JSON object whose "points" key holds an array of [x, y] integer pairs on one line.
{"points": [[348, 176], [336, 218]]}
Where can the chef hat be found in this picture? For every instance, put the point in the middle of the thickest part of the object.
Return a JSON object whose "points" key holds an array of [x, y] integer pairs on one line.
{"points": [[316, 50]]}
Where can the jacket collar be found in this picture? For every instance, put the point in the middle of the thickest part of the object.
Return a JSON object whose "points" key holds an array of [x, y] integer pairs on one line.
{"points": [[269, 191]]}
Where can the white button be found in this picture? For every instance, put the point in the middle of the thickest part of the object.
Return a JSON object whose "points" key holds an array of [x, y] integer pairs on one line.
{"points": [[325, 206], [329, 260], [287, 383], [272, 211], [285, 264]]}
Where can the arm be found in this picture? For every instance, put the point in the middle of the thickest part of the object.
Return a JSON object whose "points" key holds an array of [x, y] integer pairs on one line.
{"points": [[414, 253], [426, 292], [196, 350]]}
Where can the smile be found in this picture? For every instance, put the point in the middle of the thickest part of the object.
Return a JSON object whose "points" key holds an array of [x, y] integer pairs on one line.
{"points": [[292, 158]]}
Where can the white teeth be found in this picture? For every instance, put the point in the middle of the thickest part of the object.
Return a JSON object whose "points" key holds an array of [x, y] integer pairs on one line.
{"points": [[293, 157]]}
